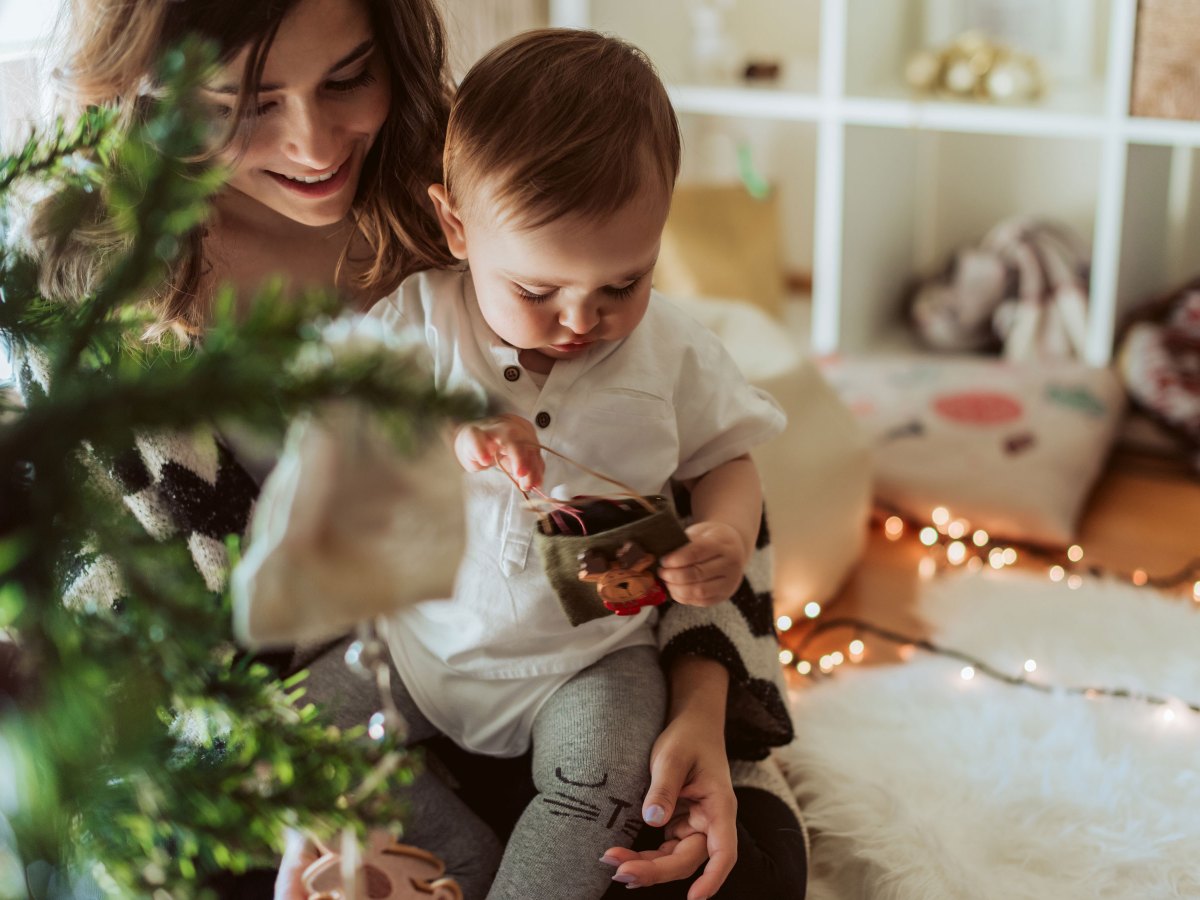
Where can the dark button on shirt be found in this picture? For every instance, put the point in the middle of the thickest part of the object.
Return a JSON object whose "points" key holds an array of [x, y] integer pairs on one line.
{"points": [[542, 419], [512, 373]]}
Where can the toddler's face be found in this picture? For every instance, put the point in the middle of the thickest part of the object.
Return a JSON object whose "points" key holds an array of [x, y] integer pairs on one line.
{"points": [[557, 289]]}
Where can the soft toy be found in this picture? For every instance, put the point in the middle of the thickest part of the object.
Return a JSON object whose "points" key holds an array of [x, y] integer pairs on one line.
{"points": [[1159, 361], [1024, 287], [623, 583], [389, 871], [579, 541]]}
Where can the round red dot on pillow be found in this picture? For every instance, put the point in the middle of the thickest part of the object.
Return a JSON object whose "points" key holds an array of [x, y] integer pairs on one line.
{"points": [[978, 408]]}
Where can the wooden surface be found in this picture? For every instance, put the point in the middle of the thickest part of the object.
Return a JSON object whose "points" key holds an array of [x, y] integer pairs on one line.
{"points": [[1144, 513]]}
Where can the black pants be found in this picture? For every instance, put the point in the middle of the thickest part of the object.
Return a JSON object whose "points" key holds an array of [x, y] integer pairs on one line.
{"points": [[771, 862]]}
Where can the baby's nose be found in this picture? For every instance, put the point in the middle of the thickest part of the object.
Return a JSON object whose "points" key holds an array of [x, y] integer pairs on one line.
{"points": [[580, 319]]}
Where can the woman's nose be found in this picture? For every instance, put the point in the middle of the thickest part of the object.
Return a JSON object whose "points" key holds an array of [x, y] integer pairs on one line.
{"points": [[311, 139]]}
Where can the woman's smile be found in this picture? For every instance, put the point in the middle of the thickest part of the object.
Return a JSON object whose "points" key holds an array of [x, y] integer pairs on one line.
{"points": [[321, 185]]}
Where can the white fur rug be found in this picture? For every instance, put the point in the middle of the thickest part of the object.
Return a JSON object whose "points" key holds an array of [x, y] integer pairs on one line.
{"points": [[919, 785]]}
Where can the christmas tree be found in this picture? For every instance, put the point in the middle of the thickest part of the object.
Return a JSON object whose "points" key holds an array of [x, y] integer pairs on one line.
{"points": [[140, 751]]}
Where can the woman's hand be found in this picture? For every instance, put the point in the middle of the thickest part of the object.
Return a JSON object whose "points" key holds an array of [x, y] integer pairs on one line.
{"points": [[708, 569], [690, 788], [507, 441]]}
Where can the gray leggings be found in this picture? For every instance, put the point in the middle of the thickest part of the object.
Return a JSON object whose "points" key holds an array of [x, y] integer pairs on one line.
{"points": [[591, 768]]}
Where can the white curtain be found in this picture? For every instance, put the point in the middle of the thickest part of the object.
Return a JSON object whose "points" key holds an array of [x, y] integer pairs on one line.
{"points": [[24, 83], [475, 26]]}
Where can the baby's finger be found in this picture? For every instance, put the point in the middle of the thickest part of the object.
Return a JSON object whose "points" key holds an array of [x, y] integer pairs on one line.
{"points": [[698, 572], [685, 556], [530, 464], [708, 593], [480, 449]]}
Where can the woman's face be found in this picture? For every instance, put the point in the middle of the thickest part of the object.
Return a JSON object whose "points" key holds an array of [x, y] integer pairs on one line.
{"points": [[325, 94]]}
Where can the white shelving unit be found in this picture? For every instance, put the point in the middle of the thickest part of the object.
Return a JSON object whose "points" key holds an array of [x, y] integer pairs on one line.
{"points": [[894, 183]]}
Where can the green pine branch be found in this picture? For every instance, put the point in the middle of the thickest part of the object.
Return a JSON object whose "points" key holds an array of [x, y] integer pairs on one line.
{"points": [[149, 752]]}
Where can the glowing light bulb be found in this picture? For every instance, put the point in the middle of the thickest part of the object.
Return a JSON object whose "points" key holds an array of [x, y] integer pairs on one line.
{"points": [[837, 657], [927, 568], [1140, 577], [812, 609], [377, 727], [857, 647], [956, 553], [967, 673], [826, 664], [956, 529], [786, 657], [980, 538], [1057, 573], [940, 516], [1075, 553], [894, 528], [1030, 665], [783, 623], [929, 536], [1010, 556], [804, 667], [1196, 591], [1075, 582], [996, 558], [1168, 715]]}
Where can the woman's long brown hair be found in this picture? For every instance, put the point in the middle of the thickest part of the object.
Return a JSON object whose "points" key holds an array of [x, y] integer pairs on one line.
{"points": [[110, 49]]}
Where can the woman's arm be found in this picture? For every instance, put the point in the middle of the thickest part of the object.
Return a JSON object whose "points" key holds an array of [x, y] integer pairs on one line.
{"points": [[690, 787]]}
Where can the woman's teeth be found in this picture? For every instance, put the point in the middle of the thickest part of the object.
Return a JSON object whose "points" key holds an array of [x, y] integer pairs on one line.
{"points": [[313, 179]]}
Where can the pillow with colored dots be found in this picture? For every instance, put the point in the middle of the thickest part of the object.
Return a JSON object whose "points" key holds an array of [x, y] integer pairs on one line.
{"points": [[1013, 449]]}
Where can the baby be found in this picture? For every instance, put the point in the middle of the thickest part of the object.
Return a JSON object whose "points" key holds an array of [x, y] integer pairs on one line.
{"points": [[561, 156]]}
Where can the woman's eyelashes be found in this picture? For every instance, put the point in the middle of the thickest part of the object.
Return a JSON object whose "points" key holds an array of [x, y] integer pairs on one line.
{"points": [[344, 86], [364, 78]]}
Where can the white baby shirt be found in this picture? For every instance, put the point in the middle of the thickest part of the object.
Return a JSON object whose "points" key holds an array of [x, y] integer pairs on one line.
{"points": [[665, 402]]}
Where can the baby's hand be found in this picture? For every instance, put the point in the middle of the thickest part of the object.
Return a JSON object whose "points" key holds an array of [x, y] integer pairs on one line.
{"points": [[708, 569], [507, 441]]}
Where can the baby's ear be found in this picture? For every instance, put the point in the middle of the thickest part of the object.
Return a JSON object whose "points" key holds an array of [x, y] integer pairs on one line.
{"points": [[452, 226]]}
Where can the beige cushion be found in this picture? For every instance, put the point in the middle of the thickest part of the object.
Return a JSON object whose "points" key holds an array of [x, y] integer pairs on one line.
{"points": [[1013, 449], [816, 474]]}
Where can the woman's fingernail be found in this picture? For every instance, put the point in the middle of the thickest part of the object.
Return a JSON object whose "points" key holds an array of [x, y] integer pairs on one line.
{"points": [[630, 881], [609, 861], [653, 815]]}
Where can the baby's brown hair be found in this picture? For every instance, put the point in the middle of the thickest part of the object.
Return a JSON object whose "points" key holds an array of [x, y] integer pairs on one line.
{"points": [[557, 122]]}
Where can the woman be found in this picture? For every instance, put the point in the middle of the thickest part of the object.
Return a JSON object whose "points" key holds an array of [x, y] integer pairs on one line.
{"points": [[329, 116]]}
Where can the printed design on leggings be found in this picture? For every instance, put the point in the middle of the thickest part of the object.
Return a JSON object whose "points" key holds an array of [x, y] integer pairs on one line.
{"points": [[611, 810]]}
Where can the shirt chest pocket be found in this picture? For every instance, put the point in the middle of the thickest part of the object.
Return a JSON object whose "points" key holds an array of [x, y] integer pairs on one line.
{"points": [[634, 432], [622, 403]]}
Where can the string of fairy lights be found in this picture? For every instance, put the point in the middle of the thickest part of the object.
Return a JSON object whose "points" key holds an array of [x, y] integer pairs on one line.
{"points": [[952, 544]]}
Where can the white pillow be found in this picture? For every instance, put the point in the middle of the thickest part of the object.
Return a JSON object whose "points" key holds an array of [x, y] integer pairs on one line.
{"points": [[816, 474], [1013, 449]]}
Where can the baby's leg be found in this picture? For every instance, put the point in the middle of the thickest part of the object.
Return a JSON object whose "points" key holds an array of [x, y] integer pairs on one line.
{"points": [[591, 767], [438, 821]]}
